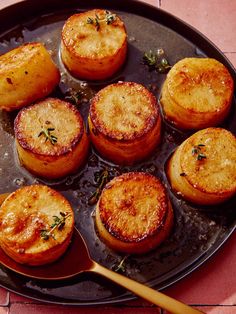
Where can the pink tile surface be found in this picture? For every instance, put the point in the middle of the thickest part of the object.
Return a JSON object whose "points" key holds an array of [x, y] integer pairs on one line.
{"points": [[214, 309], [42, 309], [5, 3], [152, 2], [214, 18], [4, 297], [232, 58], [15, 298]]}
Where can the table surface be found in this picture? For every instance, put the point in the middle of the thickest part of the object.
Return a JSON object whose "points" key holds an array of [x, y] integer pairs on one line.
{"points": [[211, 288]]}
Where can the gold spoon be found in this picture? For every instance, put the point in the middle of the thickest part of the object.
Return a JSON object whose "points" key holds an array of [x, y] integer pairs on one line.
{"points": [[82, 262]]}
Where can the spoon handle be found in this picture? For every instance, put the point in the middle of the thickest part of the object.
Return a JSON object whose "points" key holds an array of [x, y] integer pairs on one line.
{"points": [[149, 294]]}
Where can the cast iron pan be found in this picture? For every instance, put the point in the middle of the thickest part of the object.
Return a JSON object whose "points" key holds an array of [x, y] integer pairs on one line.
{"points": [[198, 232]]}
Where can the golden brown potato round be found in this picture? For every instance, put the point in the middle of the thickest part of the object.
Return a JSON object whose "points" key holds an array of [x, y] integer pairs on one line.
{"points": [[197, 93], [26, 219], [133, 213], [27, 74], [203, 167], [94, 44], [124, 122], [50, 138]]}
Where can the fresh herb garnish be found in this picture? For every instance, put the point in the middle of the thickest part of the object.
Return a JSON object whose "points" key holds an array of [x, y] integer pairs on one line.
{"points": [[121, 267], [157, 61], [108, 19], [90, 20], [197, 151], [44, 234], [48, 136], [74, 96], [101, 181], [150, 58], [58, 223]]}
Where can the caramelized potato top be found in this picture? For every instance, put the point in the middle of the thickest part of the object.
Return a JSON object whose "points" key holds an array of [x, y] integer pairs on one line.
{"points": [[124, 111], [90, 34], [28, 211], [61, 119], [200, 84], [208, 160], [133, 206]]}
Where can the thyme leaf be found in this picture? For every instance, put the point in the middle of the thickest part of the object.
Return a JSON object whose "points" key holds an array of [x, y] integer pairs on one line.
{"points": [[44, 234], [150, 58], [197, 151], [97, 22], [74, 96], [156, 61], [108, 19], [201, 156], [89, 20], [58, 223], [101, 181], [121, 267], [48, 136]]}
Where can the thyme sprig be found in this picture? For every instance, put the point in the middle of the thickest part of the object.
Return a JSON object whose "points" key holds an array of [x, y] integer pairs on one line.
{"points": [[58, 223], [197, 151], [48, 136], [101, 181], [150, 58], [74, 96], [157, 61], [108, 19], [121, 267]]}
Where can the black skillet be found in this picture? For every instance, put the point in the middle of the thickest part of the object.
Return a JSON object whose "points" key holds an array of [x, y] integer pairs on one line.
{"points": [[198, 232]]}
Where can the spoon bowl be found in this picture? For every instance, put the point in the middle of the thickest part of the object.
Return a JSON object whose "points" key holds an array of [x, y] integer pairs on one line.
{"points": [[61, 269], [76, 260]]}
